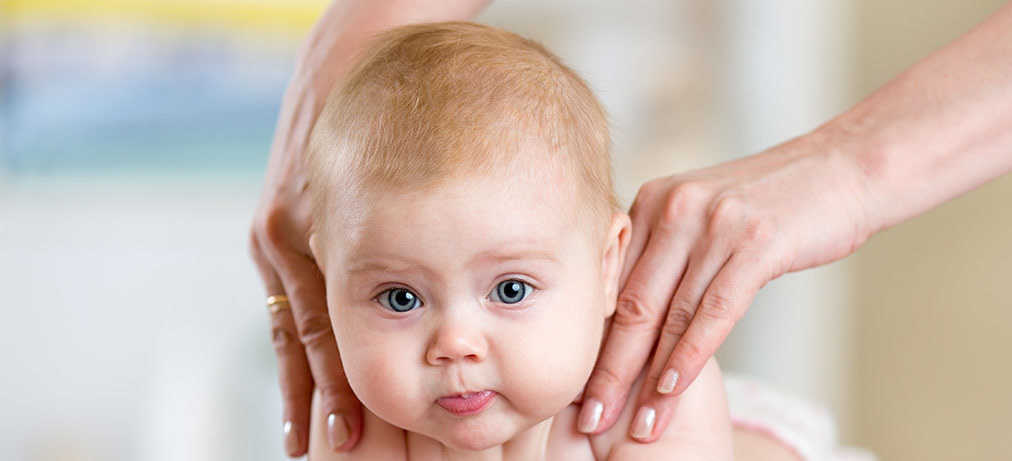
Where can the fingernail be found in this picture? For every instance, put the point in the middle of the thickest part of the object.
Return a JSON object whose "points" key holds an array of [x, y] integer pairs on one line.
{"points": [[337, 431], [590, 415], [667, 383], [644, 425], [292, 442]]}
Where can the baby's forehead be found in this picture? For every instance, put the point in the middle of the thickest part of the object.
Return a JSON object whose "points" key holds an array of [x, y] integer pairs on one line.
{"points": [[507, 174], [503, 193], [509, 158], [533, 191], [467, 215]]}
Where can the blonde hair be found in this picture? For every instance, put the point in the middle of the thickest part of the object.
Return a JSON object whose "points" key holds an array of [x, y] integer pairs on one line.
{"points": [[428, 103]]}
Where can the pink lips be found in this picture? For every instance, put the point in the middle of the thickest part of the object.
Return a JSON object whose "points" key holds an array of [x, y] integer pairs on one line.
{"points": [[467, 404]]}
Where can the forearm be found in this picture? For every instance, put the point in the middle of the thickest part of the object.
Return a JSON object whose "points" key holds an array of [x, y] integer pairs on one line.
{"points": [[938, 130], [329, 47]]}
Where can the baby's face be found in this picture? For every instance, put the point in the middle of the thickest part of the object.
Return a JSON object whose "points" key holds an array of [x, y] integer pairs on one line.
{"points": [[471, 312]]}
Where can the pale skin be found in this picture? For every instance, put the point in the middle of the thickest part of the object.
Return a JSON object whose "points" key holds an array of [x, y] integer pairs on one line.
{"points": [[451, 248], [302, 336], [704, 242]]}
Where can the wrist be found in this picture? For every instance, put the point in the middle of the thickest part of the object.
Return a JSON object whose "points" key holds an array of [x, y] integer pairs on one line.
{"points": [[850, 152], [317, 73]]}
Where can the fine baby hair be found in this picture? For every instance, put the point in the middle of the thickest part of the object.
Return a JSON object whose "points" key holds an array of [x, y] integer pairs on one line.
{"points": [[432, 102]]}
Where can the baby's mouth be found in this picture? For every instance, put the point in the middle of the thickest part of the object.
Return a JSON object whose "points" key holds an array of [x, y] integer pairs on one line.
{"points": [[467, 404]]}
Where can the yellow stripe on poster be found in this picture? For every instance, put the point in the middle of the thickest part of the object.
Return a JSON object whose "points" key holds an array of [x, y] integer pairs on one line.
{"points": [[263, 14]]}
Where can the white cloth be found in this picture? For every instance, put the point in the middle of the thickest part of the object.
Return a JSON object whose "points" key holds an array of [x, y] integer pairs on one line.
{"points": [[804, 427]]}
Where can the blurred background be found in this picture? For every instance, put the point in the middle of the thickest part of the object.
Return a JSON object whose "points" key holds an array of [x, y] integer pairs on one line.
{"points": [[133, 140]]}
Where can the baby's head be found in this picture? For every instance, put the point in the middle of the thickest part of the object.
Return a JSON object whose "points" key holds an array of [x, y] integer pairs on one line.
{"points": [[465, 222]]}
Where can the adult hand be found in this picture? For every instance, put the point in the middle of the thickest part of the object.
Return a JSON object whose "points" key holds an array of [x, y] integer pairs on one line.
{"points": [[302, 335], [703, 244]]}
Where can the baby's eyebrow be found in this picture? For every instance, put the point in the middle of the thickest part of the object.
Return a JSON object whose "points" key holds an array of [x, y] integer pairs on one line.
{"points": [[371, 266], [499, 256], [485, 257]]}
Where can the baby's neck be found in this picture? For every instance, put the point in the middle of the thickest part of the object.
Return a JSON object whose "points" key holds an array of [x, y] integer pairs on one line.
{"points": [[530, 445]]}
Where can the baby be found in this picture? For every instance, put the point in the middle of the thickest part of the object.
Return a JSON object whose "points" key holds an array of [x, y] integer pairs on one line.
{"points": [[471, 244]]}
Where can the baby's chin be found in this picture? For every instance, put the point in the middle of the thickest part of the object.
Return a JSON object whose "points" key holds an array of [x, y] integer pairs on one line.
{"points": [[475, 440], [474, 433]]}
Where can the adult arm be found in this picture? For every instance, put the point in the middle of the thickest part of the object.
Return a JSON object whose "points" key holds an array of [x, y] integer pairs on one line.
{"points": [[704, 242], [302, 335]]}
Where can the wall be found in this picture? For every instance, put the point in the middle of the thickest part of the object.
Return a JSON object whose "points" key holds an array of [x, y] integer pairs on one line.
{"points": [[933, 374]]}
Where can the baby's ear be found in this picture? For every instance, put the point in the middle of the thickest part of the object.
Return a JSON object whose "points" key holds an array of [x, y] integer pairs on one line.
{"points": [[615, 245]]}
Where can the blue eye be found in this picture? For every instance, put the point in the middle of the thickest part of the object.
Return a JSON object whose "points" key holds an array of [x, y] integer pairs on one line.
{"points": [[511, 291], [399, 300]]}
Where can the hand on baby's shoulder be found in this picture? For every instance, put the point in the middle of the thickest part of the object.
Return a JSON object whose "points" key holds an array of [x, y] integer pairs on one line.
{"points": [[381, 441], [700, 427]]}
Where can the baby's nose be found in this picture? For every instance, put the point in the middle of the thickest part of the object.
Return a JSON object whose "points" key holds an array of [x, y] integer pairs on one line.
{"points": [[457, 343]]}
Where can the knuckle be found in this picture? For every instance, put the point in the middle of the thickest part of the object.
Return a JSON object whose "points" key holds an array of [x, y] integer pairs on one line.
{"points": [[717, 306], [607, 376], [727, 211], [332, 393], [690, 190], [693, 350], [274, 225], [679, 318], [681, 201], [632, 312], [284, 339], [650, 188], [315, 330]]}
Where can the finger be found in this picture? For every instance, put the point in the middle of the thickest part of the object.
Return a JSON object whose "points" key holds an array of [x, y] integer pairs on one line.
{"points": [[272, 283], [296, 382], [639, 312], [704, 264], [725, 302], [721, 306], [295, 378], [306, 291]]}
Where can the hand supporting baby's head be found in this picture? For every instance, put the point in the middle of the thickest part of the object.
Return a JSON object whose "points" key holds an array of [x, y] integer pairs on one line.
{"points": [[466, 226]]}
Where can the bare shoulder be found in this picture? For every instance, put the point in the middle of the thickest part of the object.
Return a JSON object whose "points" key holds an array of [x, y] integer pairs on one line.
{"points": [[564, 441], [700, 428], [381, 441]]}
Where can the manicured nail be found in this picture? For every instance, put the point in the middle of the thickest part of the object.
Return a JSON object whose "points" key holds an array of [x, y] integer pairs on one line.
{"points": [[668, 382], [644, 424], [292, 442], [337, 431], [590, 415]]}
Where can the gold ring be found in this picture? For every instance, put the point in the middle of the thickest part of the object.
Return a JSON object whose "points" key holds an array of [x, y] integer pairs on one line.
{"points": [[277, 303]]}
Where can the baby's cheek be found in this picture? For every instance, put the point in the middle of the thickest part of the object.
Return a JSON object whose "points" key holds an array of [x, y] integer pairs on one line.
{"points": [[380, 379], [545, 374]]}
